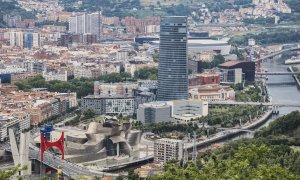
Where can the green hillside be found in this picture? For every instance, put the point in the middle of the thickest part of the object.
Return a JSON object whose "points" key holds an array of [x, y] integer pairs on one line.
{"points": [[272, 154], [12, 8]]}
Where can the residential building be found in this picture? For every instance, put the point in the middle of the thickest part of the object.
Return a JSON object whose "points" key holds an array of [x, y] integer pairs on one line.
{"points": [[86, 24], [167, 149], [24, 39], [103, 104], [34, 66], [172, 71], [50, 76]]}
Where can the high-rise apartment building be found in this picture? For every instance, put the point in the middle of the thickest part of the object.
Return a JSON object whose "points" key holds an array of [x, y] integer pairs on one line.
{"points": [[172, 71], [24, 39], [167, 149], [86, 24]]}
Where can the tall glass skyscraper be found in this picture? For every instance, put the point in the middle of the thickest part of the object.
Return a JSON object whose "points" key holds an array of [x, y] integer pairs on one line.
{"points": [[172, 71]]}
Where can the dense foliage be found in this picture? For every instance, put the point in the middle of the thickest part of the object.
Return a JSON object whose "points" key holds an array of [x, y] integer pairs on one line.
{"points": [[259, 20], [247, 162], [294, 5], [7, 174], [251, 94], [288, 124], [271, 37], [230, 116], [13, 9], [82, 87], [218, 59], [119, 8], [115, 77], [276, 156], [146, 73]]}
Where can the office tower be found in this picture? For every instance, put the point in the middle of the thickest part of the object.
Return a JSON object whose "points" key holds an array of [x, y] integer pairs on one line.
{"points": [[168, 149], [172, 71], [86, 24]]}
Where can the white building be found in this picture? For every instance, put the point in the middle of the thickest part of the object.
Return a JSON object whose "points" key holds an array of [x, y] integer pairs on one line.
{"points": [[154, 112], [34, 66], [150, 29], [186, 111], [168, 149], [180, 111], [86, 24], [24, 39], [50, 76]]}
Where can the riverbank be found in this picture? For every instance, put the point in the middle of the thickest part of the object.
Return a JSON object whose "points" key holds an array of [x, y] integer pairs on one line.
{"points": [[230, 133], [295, 77]]}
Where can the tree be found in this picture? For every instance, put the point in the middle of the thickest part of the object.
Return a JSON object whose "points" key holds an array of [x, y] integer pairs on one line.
{"points": [[132, 175], [89, 113], [7, 174], [146, 73], [248, 162]]}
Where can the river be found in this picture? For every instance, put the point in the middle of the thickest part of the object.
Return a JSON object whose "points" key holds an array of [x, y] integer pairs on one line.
{"points": [[280, 88]]}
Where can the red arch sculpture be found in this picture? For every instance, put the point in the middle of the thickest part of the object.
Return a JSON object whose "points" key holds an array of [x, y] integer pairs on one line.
{"points": [[46, 144]]}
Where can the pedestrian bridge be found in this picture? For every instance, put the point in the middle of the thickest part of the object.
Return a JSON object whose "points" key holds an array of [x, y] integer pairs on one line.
{"points": [[276, 73], [279, 104], [240, 129]]}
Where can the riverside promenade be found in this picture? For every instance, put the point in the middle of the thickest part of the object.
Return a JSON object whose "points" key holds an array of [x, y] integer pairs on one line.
{"points": [[229, 133]]}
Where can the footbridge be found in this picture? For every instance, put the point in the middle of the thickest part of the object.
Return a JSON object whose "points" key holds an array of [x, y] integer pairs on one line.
{"points": [[276, 73], [279, 104], [239, 129], [279, 52]]}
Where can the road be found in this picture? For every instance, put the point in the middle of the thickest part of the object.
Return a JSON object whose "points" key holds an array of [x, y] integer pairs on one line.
{"points": [[68, 168], [223, 134]]}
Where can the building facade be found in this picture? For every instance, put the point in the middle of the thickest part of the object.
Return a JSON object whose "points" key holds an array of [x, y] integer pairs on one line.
{"points": [[212, 93], [86, 24], [50, 76], [167, 149], [154, 112], [108, 104], [172, 71], [114, 89]]}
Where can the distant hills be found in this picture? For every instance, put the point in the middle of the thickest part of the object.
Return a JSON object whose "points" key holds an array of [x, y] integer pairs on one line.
{"points": [[12, 8]]}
